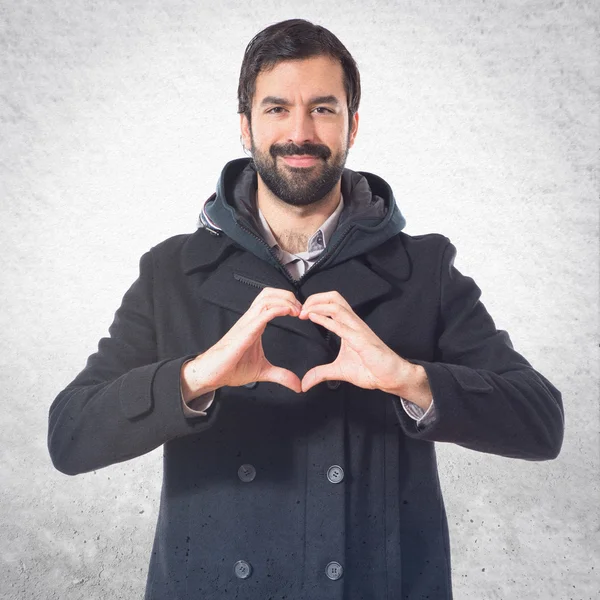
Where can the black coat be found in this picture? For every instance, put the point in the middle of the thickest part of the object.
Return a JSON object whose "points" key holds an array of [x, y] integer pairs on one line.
{"points": [[249, 482]]}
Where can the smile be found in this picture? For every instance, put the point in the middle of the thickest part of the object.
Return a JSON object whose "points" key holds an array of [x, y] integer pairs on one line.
{"points": [[301, 160]]}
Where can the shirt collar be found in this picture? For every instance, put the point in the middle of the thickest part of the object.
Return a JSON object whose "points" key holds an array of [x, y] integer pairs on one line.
{"points": [[318, 240]]}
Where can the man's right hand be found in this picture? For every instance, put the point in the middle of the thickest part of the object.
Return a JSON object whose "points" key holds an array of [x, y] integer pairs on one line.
{"points": [[238, 357]]}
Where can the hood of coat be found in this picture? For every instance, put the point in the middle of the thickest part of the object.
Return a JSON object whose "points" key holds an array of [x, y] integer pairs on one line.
{"points": [[369, 218]]}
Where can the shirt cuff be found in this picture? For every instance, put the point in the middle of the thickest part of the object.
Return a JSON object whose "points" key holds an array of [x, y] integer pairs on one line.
{"points": [[198, 406], [414, 411]]}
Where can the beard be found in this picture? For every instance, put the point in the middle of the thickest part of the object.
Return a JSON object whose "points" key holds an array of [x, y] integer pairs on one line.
{"points": [[299, 186]]}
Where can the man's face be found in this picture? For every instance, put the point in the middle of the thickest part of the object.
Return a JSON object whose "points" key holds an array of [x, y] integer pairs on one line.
{"points": [[299, 135]]}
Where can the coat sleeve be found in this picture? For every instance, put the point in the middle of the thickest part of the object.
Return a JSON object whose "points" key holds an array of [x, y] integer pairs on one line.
{"points": [[487, 396], [125, 402]]}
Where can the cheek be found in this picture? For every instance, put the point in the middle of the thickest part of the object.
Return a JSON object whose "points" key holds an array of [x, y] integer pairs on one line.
{"points": [[268, 136], [331, 135]]}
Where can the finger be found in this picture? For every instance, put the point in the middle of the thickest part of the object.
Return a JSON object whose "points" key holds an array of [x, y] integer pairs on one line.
{"points": [[251, 325], [270, 292], [323, 305], [332, 297], [319, 374], [258, 321], [258, 311], [282, 377], [270, 301], [348, 334], [337, 312]]}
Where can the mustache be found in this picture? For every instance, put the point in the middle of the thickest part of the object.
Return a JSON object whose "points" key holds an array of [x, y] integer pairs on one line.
{"points": [[309, 149]]}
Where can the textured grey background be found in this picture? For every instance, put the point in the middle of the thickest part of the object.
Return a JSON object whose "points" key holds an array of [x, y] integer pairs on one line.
{"points": [[116, 118]]}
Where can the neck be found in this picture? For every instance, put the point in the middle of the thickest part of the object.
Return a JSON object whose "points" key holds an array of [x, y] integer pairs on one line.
{"points": [[293, 226]]}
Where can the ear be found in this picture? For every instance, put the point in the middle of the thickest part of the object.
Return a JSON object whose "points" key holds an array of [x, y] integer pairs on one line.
{"points": [[353, 131], [245, 132]]}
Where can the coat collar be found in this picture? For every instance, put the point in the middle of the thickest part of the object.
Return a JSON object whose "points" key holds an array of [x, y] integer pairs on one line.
{"points": [[369, 218], [238, 276], [205, 248]]}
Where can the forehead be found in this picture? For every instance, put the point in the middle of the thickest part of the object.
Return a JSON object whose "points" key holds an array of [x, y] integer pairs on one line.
{"points": [[301, 79]]}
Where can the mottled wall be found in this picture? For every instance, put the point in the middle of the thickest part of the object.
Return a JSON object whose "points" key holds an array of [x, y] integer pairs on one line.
{"points": [[116, 118]]}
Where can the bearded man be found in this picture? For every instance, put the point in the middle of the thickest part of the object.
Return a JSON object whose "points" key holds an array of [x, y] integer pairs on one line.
{"points": [[297, 357]]}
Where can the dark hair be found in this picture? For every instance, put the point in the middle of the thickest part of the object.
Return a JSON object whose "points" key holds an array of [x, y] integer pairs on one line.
{"points": [[291, 40]]}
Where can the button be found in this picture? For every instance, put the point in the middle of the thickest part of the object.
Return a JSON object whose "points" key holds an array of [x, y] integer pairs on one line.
{"points": [[335, 474], [247, 473], [251, 385], [242, 569], [334, 570], [333, 385]]}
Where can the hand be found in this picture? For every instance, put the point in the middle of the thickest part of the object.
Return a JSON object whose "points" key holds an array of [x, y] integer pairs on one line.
{"points": [[363, 360], [238, 357]]}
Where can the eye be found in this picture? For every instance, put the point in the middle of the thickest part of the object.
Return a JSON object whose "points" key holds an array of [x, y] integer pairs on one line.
{"points": [[324, 110], [276, 110]]}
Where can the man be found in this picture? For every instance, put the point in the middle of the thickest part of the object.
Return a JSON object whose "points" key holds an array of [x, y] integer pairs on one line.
{"points": [[298, 356]]}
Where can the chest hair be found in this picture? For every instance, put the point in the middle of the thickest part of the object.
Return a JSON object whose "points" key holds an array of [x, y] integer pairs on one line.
{"points": [[293, 242]]}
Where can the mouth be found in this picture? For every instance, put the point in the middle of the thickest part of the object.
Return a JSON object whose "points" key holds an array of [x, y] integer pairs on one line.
{"points": [[303, 160]]}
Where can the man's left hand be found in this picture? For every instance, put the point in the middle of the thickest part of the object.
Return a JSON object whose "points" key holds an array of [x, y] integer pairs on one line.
{"points": [[363, 360]]}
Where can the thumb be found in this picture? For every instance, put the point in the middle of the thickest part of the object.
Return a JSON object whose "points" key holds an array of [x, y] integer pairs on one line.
{"points": [[316, 375], [282, 377]]}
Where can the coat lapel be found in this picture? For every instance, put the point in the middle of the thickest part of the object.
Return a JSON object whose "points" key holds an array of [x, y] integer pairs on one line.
{"points": [[237, 282], [356, 283], [238, 276]]}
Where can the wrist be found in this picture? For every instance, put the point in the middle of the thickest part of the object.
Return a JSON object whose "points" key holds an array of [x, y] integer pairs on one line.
{"points": [[412, 384], [193, 383]]}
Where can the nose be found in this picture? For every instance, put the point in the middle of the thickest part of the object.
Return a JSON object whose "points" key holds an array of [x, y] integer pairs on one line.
{"points": [[302, 128]]}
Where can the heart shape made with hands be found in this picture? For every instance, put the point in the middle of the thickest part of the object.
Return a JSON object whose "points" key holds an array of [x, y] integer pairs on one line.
{"points": [[363, 358]]}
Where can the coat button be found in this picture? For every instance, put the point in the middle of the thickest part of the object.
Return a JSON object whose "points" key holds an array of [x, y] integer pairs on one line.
{"points": [[335, 474], [251, 385], [242, 569], [334, 570], [247, 473], [333, 384]]}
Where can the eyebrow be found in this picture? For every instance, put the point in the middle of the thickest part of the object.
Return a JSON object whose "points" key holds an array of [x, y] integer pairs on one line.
{"points": [[316, 100]]}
